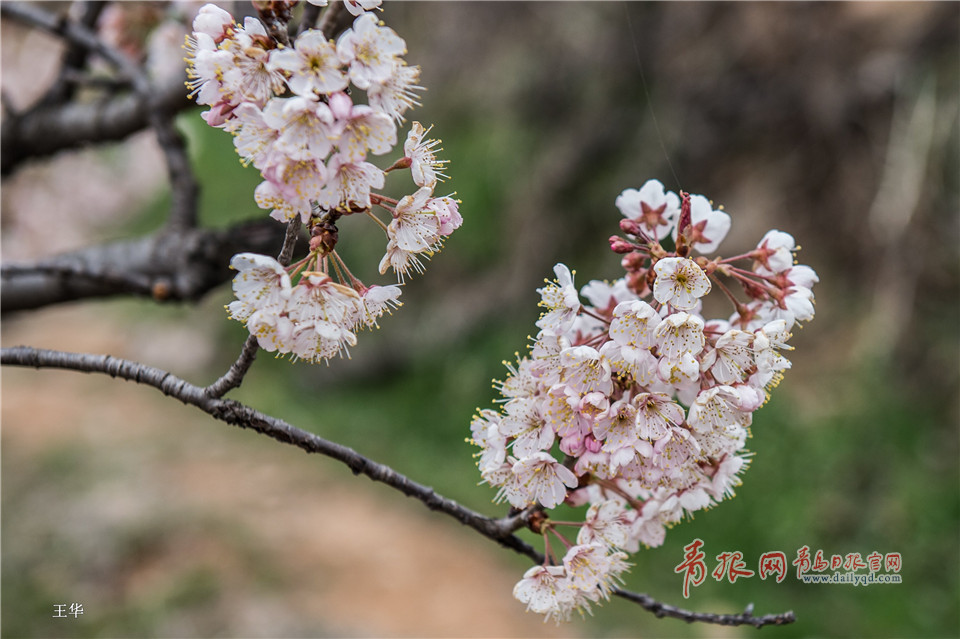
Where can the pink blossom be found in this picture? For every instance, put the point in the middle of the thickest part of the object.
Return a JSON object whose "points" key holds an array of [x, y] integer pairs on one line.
{"points": [[397, 93], [414, 226], [680, 283], [546, 590], [654, 209], [425, 168], [350, 184], [545, 479], [774, 253], [524, 422], [212, 21], [448, 213], [359, 128], [370, 50], [305, 126], [313, 65], [561, 302], [708, 227]]}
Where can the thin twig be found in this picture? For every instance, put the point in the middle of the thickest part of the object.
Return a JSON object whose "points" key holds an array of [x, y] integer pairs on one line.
{"points": [[185, 190], [237, 414], [74, 57], [73, 33], [500, 530], [745, 618], [289, 241], [235, 374]]}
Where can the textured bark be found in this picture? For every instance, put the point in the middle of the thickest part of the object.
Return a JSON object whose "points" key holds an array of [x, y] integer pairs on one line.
{"points": [[179, 265]]}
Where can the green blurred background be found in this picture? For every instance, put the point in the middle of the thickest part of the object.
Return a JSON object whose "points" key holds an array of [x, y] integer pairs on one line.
{"points": [[834, 122]]}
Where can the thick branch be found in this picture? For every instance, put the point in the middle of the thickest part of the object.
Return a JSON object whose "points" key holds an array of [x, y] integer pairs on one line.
{"points": [[232, 412], [172, 266], [335, 19], [183, 212], [49, 128], [308, 19], [46, 130], [74, 33]]}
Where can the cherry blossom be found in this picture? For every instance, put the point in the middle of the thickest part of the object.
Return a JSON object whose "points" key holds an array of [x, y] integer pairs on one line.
{"points": [[708, 227], [312, 65], [632, 402], [655, 210], [774, 253], [414, 227], [360, 128], [547, 591], [370, 50], [212, 21], [398, 93], [561, 301], [350, 185], [680, 283], [296, 118], [544, 478], [261, 284], [425, 168], [356, 7]]}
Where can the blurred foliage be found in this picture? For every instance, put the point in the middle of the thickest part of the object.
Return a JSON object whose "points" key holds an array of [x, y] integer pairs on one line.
{"points": [[547, 111]]}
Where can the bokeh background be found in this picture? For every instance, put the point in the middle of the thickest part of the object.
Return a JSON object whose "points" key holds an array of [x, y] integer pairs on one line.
{"points": [[836, 122]]}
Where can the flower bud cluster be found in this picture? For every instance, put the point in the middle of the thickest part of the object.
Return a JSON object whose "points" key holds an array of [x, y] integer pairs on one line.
{"points": [[314, 320], [293, 112], [630, 399]]}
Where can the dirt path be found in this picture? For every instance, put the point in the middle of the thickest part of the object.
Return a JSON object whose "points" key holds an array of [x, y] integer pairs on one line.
{"points": [[163, 522]]}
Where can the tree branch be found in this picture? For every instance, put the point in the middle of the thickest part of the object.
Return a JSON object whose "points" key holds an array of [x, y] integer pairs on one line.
{"points": [[46, 130], [237, 414], [74, 57], [234, 376], [168, 266], [309, 17], [745, 618], [183, 210], [335, 19]]}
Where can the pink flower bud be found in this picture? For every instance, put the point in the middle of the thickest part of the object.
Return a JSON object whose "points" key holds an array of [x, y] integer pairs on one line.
{"points": [[620, 245], [630, 226], [632, 262]]}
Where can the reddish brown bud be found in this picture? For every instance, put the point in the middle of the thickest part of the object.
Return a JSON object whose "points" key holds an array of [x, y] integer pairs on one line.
{"points": [[632, 262], [323, 237], [160, 290], [637, 282], [630, 226], [620, 245], [683, 245], [754, 291], [537, 519], [684, 220]]}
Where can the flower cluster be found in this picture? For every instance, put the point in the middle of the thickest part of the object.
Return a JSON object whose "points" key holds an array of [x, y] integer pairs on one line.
{"points": [[630, 399], [293, 114], [314, 320]]}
